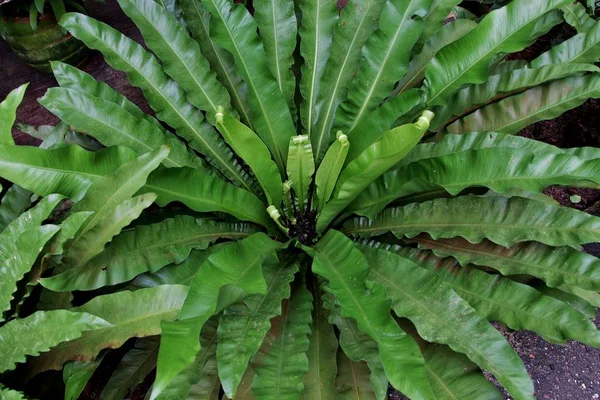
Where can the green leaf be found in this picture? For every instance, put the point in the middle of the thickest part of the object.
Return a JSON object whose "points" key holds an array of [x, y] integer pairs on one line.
{"points": [[58, 7], [164, 96], [221, 61], [109, 198], [20, 243], [19, 261], [177, 274], [434, 19], [519, 306], [40, 5], [33, 17], [499, 169], [581, 48], [351, 31], [386, 55], [371, 164], [514, 220], [540, 103], [248, 146], [505, 30], [243, 326], [147, 248], [441, 316], [14, 202], [281, 373], [76, 375], [276, 21], [69, 77], [68, 170], [145, 309], [576, 15], [316, 32], [300, 168], [359, 346], [112, 125], [8, 113], [9, 394], [41, 331], [191, 382], [555, 265], [591, 296], [239, 268], [447, 34], [330, 168], [233, 28], [339, 261], [322, 368], [382, 120], [352, 381], [454, 376], [503, 85], [204, 193], [179, 53], [133, 368]]}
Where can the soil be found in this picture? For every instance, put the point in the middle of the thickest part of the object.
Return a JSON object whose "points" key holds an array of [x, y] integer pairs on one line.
{"points": [[559, 372]]}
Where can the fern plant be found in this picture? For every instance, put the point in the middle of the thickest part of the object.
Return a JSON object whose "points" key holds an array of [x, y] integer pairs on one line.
{"points": [[342, 202]]}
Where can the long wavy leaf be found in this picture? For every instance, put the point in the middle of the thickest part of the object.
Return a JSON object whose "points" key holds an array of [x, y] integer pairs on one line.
{"points": [[371, 164], [248, 146], [581, 48], [352, 381], [358, 346], [499, 169], [330, 168], [145, 309], [76, 375], [243, 326], [446, 35], [132, 369], [238, 267], [70, 77], [502, 85], [386, 55], [354, 27], [221, 62], [8, 113], [41, 331], [339, 261], [112, 125], [555, 265], [316, 31], [164, 95], [576, 15], [507, 29], [281, 373], [441, 316], [453, 376], [147, 248], [501, 299], [188, 384], [14, 202], [435, 18], [68, 170], [233, 28], [204, 193], [180, 55], [322, 368], [276, 21], [516, 220], [540, 103], [381, 120]]}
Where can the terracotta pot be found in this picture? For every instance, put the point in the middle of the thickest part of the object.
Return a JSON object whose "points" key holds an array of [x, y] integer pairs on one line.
{"points": [[48, 43]]}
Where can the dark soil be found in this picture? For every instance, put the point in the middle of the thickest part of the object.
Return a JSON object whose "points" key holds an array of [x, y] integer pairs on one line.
{"points": [[558, 372]]}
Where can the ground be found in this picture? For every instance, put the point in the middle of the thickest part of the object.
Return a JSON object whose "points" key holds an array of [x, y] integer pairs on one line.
{"points": [[559, 372]]}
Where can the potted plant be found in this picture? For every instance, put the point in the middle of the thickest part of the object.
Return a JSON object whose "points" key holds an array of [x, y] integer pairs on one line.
{"points": [[31, 29]]}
